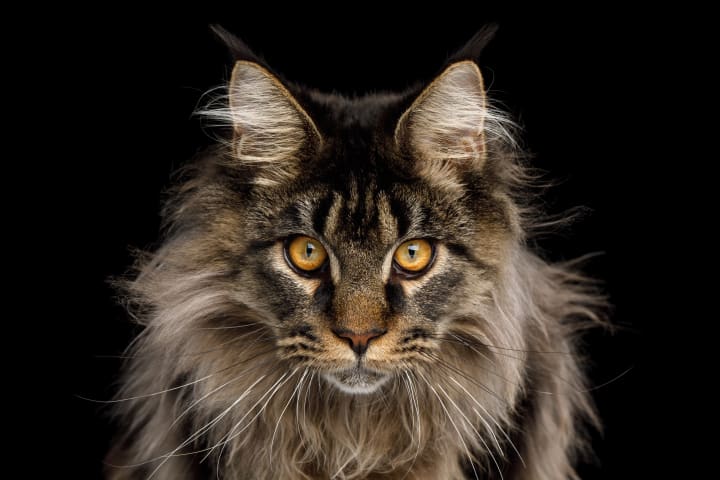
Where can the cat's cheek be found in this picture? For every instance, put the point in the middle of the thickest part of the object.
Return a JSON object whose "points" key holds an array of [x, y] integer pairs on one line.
{"points": [[385, 351], [492, 246]]}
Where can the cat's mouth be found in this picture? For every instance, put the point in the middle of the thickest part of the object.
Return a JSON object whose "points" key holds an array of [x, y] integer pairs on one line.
{"points": [[357, 380]]}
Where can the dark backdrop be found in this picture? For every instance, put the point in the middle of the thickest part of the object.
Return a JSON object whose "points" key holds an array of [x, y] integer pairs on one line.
{"points": [[580, 87]]}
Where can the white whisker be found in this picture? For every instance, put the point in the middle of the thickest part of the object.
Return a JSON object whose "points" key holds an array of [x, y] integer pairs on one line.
{"points": [[307, 393], [199, 400], [229, 327], [415, 414], [204, 429], [447, 413], [231, 436], [477, 434], [507, 437], [148, 395], [277, 425], [471, 347]]}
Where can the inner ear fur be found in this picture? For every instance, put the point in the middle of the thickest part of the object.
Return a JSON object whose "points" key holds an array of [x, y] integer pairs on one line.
{"points": [[443, 131], [272, 132]]}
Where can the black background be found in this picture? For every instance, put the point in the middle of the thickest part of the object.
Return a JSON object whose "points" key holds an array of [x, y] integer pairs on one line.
{"points": [[581, 83]]}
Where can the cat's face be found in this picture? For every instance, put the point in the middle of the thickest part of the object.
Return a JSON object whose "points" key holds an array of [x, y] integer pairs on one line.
{"points": [[364, 275], [368, 237]]}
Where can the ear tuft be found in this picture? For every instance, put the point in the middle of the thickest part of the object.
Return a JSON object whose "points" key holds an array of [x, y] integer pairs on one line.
{"points": [[474, 47], [237, 48], [444, 129]]}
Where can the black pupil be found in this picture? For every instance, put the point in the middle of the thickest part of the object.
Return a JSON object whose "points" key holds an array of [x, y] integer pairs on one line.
{"points": [[412, 251], [309, 249]]}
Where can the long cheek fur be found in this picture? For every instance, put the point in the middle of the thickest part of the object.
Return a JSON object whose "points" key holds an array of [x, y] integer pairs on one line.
{"points": [[476, 332]]}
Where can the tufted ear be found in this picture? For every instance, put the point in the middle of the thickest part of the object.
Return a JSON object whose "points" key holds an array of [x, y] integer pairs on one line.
{"points": [[443, 131], [237, 49], [272, 132]]}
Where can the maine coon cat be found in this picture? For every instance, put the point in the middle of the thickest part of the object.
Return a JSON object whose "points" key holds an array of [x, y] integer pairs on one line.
{"points": [[345, 291]]}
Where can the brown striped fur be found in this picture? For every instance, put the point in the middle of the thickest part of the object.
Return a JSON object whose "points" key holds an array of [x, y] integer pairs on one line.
{"points": [[236, 373]]}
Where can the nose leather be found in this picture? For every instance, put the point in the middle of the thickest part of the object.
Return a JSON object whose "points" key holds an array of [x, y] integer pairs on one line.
{"points": [[359, 342]]}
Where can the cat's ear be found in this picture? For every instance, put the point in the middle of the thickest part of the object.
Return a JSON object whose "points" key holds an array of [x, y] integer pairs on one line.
{"points": [[272, 132], [443, 131]]}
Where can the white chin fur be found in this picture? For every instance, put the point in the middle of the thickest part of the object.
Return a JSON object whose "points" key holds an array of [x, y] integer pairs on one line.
{"points": [[357, 381]]}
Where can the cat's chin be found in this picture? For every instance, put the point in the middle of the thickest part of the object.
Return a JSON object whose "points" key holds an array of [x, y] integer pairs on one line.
{"points": [[357, 380]]}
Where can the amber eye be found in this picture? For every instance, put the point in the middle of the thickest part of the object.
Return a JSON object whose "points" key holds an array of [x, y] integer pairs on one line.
{"points": [[414, 256], [305, 253]]}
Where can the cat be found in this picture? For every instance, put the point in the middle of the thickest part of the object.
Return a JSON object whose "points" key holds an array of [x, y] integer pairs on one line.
{"points": [[345, 291]]}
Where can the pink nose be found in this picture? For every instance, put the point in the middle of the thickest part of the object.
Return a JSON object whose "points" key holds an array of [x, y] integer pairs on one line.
{"points": [[358, 341]]}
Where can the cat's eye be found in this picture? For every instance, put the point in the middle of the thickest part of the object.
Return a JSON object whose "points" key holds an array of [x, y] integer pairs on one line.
{"points": [[305, 254], [414, 256]]}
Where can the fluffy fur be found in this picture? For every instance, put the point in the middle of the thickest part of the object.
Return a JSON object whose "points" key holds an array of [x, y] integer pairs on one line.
{"points": [[236, 372]]}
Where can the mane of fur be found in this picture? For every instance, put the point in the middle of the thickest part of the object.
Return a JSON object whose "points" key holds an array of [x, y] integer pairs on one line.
{"points": [[184, 398]]}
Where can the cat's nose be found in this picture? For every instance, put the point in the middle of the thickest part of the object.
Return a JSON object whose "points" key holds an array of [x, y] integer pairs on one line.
{"points": [[358, 341]]}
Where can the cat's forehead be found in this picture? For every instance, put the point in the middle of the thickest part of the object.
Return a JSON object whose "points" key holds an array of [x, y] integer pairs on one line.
{"points": [[359, 156], [371, 209], [342, 115], [360, 211]]}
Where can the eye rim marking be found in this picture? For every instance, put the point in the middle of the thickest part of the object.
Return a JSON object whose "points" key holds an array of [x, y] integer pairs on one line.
{"points": [[405, 273], [319, 271]]}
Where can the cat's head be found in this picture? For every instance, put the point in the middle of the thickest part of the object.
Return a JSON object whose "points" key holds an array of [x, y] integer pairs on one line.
{"points": [[360, 234]]}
